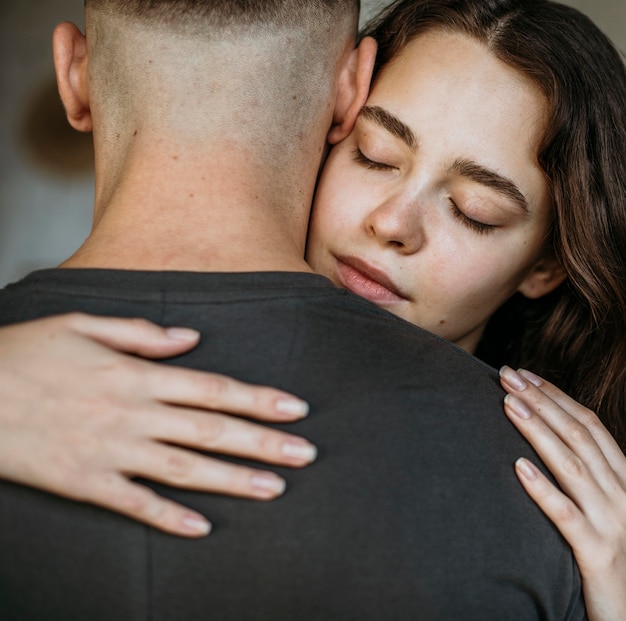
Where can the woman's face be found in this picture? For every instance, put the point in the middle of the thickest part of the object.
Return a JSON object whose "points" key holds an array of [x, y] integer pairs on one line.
{"points": [[435, 207]]}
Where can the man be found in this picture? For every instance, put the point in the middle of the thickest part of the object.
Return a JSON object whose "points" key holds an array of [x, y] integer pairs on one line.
{"points": [[207, 118]]}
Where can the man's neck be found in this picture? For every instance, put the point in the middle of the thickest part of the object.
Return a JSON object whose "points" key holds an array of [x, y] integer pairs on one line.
{"points": [[190, 212]]}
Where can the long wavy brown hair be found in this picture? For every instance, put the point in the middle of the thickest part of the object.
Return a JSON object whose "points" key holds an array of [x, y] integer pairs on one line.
{"points": [[575, 336]]}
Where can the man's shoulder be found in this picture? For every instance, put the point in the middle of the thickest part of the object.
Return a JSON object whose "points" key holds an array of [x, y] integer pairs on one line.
{"points": [[333, 318], [380, 340]]}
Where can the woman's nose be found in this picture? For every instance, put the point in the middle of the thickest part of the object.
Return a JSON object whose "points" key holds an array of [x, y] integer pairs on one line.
{"points": [[396, 225]]}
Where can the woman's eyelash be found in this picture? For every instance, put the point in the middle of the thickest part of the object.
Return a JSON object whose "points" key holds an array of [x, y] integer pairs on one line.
{"points": [[360, 158], [479, 227]]}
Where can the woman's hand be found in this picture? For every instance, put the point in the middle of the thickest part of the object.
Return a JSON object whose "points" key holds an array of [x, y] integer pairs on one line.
{"points": [[79, 419], [590, 508]]}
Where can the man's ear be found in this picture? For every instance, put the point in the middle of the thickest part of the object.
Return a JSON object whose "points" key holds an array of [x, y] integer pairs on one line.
{"points": [[546, 275], [354, 85], [70, 63]]}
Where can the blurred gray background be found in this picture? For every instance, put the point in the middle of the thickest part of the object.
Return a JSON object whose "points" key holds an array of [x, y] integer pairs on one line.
{"points": [[46, 183]]}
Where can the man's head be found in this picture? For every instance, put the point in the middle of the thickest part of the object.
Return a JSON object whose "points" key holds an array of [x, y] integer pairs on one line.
{"points": [[229, 12], [267, 75], [172, 57]]}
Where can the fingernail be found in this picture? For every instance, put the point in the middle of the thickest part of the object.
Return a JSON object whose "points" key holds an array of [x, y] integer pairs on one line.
{"points": [[183, 334], [303, 451], [513, 379], [196, 524], [526, 469], [531, 377], [292, 407], [269, 482], [518, 406]]}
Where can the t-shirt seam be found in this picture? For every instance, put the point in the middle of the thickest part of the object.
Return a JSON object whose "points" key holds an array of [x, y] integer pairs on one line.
{"points": [[155, 294]]}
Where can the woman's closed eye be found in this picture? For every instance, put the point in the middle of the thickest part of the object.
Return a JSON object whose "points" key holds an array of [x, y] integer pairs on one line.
{"points": [[360, 158], [474, 225]]}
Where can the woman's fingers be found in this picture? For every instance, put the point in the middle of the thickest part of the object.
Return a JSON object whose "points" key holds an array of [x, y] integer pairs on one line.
{"points": [[599, 545], [211, 391], [590, 509], [133, 336], [583, 415], [79, 419], [189, 470], [179, 385], [117, 493], [556, 505], [220, 433], [565, 444], [574, 470], [558, 432]]}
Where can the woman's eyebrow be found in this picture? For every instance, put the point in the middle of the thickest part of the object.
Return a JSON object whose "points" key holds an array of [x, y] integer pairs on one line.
{"points": [[391, 123], [465, 168], [490, 178]]}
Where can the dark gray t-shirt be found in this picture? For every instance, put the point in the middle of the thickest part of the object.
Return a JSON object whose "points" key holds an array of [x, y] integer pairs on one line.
{"points": [[412, 511]]}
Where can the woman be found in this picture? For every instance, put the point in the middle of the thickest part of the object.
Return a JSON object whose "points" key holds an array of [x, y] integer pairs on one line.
{"points": [[512, 214], [512, 249], [582, 158]]}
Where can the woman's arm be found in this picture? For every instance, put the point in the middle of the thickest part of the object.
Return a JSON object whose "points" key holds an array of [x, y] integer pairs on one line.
{"points": [[590, 508], [80, 419]]}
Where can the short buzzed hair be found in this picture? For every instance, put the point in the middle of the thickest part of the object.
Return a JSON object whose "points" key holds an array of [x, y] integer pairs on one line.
{"points": [[226, 12], [262, 72]]}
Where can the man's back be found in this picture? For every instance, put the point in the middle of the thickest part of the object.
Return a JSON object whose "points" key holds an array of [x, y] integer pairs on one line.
{"points": [[412, 511]]}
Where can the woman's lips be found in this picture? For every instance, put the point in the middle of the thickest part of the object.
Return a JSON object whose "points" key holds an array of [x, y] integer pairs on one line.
{"points": [[369, 282]]}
